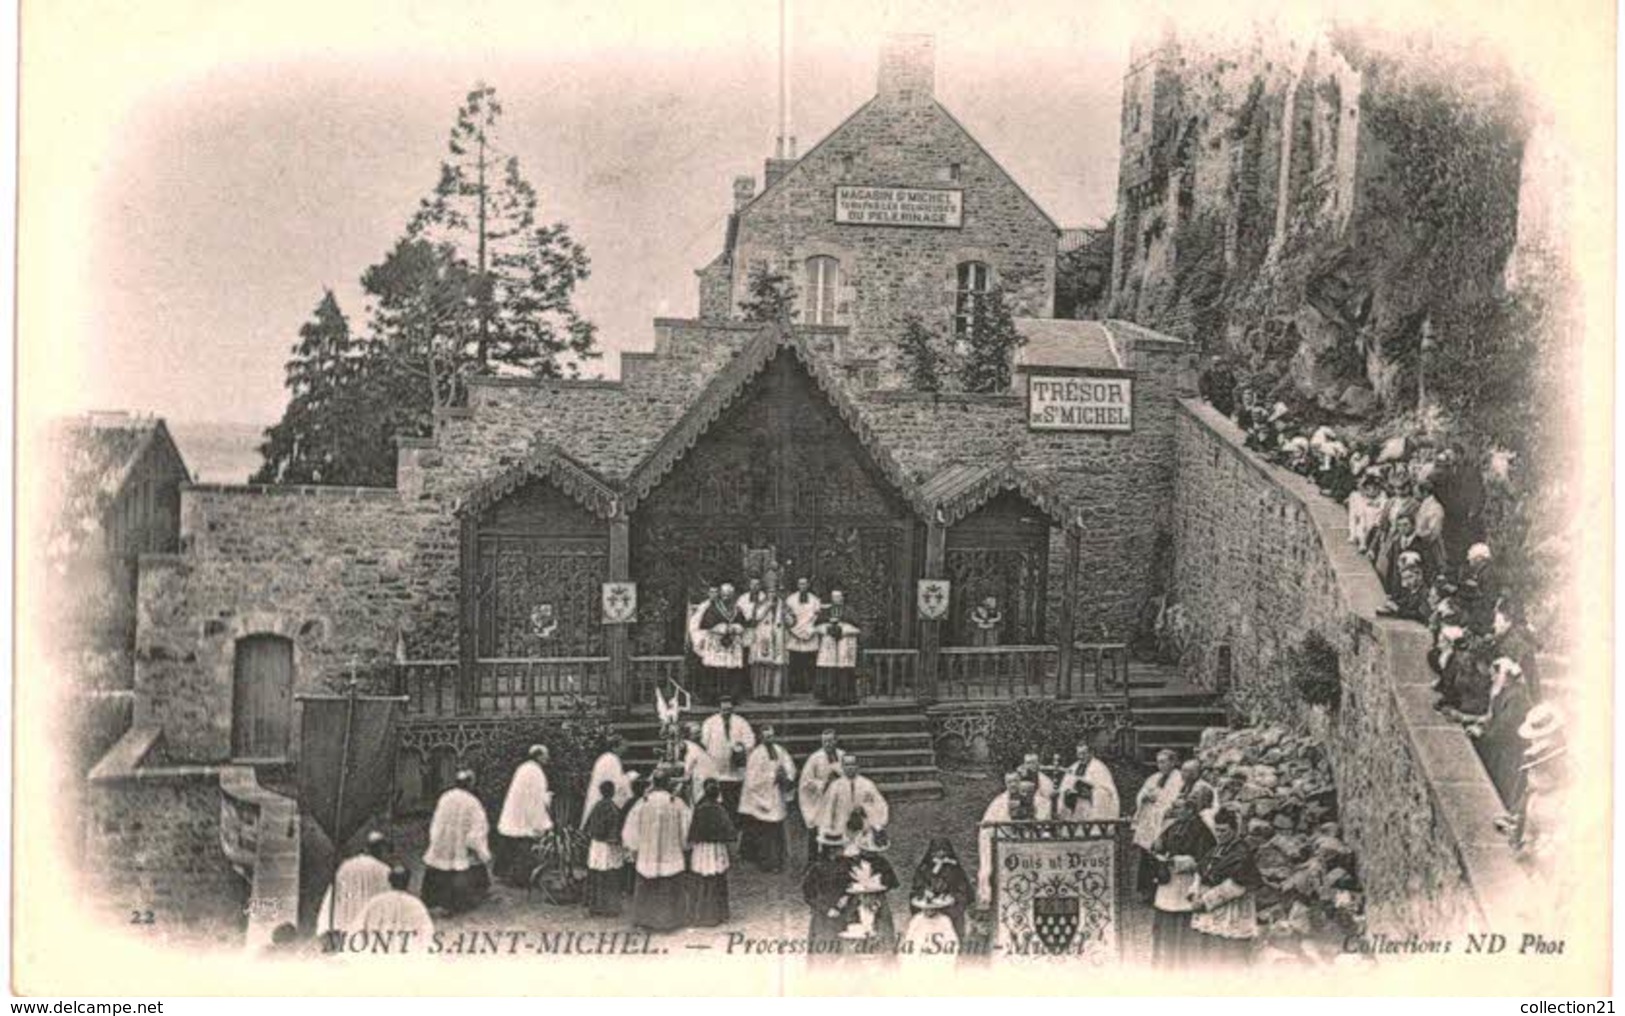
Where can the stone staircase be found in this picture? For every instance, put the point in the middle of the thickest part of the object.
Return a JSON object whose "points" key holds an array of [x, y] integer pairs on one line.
{"points": [[893, 740], [1171, 714]]}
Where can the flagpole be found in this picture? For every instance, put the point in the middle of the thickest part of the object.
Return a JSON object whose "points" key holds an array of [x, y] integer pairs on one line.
{"points": [[338, 803]]}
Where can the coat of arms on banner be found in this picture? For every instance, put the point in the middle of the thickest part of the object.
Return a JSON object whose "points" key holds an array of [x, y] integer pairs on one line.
{"points": [[1056, 891], [933, 599], [620, 602]]}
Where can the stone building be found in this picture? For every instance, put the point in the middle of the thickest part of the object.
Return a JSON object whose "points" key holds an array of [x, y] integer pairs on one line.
{"points": [[114, 497], [899, 211]]}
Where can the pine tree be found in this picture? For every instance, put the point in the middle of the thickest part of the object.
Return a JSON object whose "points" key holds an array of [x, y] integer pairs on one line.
{"points": [[306, 445], [772, 297], [991, 345], [922, 361], [477, 286]]}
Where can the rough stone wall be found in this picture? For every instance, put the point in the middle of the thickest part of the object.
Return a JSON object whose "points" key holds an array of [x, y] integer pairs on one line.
{"points": [[152, 842], [1260, 560], [336, 571], [716, 289], [1121, 483], [889, 271]]}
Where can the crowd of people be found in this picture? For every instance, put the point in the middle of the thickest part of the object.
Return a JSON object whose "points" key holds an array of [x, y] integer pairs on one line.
{"points": [[1416, 511], [662, 847]]}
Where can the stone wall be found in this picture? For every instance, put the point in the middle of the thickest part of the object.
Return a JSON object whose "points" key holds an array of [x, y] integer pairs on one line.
{"points": [[1260, 560], [901, 138], [152, 840], [338, 572], [1122, 484]]}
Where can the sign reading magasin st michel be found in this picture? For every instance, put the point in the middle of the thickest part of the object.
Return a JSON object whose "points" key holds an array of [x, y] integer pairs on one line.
{"points": [[899, 206]]}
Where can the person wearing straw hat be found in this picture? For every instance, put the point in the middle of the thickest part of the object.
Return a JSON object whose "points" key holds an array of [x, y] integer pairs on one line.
{"points": [[525, 816], [931, 933], [456, 874], [870, 878], [357, 881], [1537, 817]]}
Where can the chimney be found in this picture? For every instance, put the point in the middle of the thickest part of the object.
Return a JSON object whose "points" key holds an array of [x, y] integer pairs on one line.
{"points": [[908, 71], [744, 190], [776, 168]]}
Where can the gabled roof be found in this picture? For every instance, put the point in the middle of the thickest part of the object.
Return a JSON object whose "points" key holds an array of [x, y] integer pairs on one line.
{"points": [[958, 490], [94, 457], [547, 461], [997, 165], [726, 387], [793, 170]]}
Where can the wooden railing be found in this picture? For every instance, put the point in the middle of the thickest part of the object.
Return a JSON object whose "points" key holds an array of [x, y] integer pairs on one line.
{"points": [[651, 672], [501, 687], [997, 672], [430, 687], [890, 673], [536, 687]]}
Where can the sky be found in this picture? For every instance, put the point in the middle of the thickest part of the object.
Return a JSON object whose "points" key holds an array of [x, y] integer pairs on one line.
{"points": [[226, 171]]}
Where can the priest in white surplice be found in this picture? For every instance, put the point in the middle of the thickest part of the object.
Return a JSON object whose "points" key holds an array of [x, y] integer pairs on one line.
{"points": [[695, 763], [1106, 802], [801, 638], [847, 793], [1018, 802], [770, 775], [722, 646], [608, 767], [836, 682], [456, 875], [656, 833], [821, 767], [1151, 806], [727, 740], [525, 817], [399, 915], [358, 880]]}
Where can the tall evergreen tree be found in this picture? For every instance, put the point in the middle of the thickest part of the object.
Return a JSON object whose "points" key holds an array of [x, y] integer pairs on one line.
{"points": [[521, 275], [991, 345], [317, 439]]}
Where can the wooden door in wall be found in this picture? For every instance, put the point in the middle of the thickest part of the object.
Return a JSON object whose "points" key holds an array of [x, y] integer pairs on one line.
{"points": [[262, 698]]}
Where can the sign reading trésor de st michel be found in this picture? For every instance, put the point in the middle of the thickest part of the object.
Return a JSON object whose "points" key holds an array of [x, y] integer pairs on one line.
{"points": [[899, 206], [1080, 402]]}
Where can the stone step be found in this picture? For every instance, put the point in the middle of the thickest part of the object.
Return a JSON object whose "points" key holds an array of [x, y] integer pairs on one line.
{"points": [[809, 724], [917, 790], [637, 754]]}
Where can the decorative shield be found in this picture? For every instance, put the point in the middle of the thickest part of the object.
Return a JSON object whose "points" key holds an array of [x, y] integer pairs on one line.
{"points": [[1055, 919], [620, 602], [933, 599]]}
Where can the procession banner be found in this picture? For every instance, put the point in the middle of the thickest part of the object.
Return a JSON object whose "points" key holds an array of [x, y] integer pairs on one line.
{"points": [[366, 758], [1058, 890]]}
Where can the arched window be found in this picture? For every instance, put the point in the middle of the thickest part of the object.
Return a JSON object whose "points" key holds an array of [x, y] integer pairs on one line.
{"points": [[823, 284], [972, 281]]}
